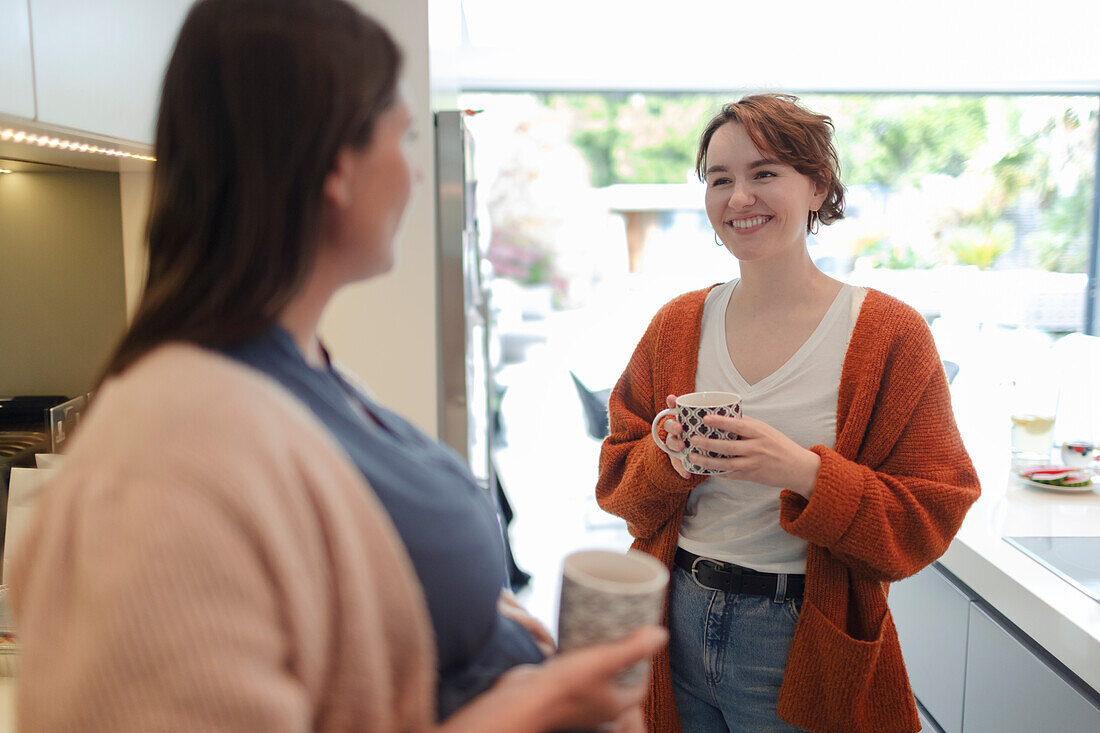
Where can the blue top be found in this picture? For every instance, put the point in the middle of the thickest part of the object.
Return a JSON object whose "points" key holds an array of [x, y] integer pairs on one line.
{"points": [[447, 522]]}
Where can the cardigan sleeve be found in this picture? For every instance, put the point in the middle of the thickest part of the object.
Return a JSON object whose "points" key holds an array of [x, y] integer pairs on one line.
{"points": [[153, 611], [637, 481], [889, 521]]}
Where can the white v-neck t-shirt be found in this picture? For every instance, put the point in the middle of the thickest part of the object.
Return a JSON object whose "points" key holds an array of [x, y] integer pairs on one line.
{"points": [[738, 521]]}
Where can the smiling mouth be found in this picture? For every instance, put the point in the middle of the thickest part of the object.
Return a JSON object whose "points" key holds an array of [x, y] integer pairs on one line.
{"points": [[750, 223]]}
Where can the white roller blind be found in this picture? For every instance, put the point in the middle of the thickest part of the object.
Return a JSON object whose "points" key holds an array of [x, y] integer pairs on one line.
{"points": [[846, 45]]}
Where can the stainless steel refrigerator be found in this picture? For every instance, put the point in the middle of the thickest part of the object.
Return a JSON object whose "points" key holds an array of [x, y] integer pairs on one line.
{"points": [[468, 392], [465, 379]]}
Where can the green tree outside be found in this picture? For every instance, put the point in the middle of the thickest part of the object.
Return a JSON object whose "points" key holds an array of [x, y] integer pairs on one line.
{"points": [[887, 142]]}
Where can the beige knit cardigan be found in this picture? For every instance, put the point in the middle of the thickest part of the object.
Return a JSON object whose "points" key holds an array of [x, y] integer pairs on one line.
{"points": [[207, 559]]}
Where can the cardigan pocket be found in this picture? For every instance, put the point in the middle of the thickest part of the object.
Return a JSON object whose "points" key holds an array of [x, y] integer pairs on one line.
{"points": [[835, 682]]}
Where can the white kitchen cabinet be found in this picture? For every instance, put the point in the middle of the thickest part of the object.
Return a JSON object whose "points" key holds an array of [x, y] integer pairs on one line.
{"points": [[931, 616], [99, 65], [926, 724], [17, 75], [1011, 689]]}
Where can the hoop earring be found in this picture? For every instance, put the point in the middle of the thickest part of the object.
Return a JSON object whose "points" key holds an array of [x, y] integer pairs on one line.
{"points": [[815, 223], [717, 241]]}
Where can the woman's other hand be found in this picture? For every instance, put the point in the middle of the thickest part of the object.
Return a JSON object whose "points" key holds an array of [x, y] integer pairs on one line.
{"points": [[763, 455], [673, 440], [510, 608], [632, 721], [580, 689]]}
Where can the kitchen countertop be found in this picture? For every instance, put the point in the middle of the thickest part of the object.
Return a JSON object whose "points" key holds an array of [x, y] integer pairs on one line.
{"points": [[1058, 616]]}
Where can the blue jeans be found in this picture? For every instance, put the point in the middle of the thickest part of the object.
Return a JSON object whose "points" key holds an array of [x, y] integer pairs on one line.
{"points": [[728, 654]]}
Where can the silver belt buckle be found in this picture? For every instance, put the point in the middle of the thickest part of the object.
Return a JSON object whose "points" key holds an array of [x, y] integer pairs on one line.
{"points": [[695, 578]]}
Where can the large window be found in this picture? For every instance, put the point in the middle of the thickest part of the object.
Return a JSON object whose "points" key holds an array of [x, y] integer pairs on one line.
{"points": [[976, 210], [968, 207]]}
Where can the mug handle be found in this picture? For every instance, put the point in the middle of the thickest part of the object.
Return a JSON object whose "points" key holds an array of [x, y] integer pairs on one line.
{"points": [[656, 439]]}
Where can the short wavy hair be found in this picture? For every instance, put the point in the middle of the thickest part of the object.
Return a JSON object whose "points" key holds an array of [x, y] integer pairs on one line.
{"points": [[783, 129]]}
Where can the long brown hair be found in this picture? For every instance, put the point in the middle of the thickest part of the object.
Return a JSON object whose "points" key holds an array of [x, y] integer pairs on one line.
{"points": [[258, 98], [783, 129]]}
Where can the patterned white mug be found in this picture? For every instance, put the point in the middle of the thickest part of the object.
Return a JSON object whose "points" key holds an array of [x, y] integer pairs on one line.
{"points": [[605, 595], [689, 412]]}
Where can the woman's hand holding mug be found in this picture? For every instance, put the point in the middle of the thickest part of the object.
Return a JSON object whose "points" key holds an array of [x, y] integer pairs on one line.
{"points": [[689, 411], [510, 608], [673, 440], [758, 452]]}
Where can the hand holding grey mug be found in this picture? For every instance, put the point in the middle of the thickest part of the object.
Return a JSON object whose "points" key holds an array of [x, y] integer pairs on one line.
{"points": [[690, 410], [606, 595]]}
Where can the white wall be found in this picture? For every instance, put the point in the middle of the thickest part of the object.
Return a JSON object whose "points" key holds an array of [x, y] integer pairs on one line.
{"points": [[385, 329], [796, 45]]}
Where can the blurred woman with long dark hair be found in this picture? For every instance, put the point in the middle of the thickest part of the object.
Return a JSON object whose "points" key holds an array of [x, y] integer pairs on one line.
{"points": [[241, 539]]}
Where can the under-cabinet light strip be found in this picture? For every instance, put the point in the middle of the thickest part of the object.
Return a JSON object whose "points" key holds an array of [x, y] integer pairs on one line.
{"points": [[45, 141]]}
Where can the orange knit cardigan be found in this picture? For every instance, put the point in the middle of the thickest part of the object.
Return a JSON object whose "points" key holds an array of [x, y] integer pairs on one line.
{"points": [[887, 502]]}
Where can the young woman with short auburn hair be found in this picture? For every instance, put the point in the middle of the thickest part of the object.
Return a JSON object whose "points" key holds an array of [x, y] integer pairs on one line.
{"points": [[849, 473]]}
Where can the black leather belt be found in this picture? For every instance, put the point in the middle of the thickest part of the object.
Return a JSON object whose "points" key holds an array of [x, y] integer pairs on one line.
{"points": [[730, 578]]}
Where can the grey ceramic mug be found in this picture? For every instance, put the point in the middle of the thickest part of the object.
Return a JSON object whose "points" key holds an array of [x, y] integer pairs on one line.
{"points": [[690, 410], [606, 595]]}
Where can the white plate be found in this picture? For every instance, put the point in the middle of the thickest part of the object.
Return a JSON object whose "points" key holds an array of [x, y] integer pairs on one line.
{"points": [[1093, 483]]}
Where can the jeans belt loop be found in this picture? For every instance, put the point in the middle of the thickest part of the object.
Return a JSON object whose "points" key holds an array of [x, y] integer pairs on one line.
{"points": [[780, 588]]}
